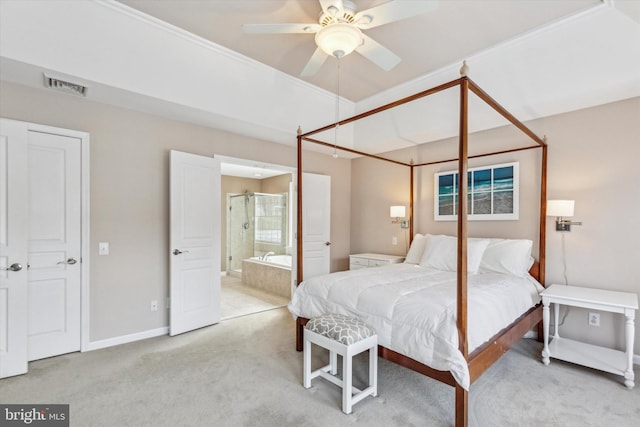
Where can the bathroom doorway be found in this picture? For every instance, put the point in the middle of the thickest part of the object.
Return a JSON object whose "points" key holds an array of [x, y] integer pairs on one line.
{"points": [[257, 222]]}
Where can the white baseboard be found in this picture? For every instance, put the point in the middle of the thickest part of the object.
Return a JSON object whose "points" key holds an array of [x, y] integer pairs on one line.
{"points": [[124, 339]]}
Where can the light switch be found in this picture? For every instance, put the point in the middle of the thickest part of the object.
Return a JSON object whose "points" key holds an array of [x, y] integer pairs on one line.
{"points": [[394, 240], [103, 248]]}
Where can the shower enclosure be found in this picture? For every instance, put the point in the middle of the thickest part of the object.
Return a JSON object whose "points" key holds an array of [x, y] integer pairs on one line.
{"points": [[258, 225]]}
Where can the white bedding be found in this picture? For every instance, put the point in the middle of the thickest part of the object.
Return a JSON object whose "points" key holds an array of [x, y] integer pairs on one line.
{"points": [[413, 309]]}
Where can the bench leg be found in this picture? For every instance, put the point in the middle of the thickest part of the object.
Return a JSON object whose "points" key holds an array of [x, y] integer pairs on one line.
{"points": [[306, 364], [333, 361], [373, 369], [347, 380]]}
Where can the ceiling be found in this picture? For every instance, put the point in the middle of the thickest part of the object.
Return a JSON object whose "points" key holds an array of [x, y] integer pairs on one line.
{"points": [[456, 30], [190, 60]]}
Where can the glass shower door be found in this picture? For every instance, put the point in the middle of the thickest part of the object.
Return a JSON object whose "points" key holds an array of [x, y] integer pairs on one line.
{"points": [[241, 231]]}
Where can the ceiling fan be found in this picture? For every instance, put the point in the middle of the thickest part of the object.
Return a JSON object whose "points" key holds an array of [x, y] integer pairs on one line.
{"points": [[339, 30]]}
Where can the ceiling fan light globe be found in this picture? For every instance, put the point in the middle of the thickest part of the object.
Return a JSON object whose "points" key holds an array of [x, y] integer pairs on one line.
{"points": [[339, 39]]}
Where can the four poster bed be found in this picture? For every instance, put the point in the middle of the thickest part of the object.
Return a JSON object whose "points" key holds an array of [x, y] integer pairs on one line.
{"points": [[459, 353]]}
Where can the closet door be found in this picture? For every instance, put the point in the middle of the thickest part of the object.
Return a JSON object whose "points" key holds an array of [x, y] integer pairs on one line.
{"points": [[13, 248], [54, 244]]}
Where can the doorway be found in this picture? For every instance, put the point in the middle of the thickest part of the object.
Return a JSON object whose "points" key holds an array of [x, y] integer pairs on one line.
{"points": [[257, 222]]}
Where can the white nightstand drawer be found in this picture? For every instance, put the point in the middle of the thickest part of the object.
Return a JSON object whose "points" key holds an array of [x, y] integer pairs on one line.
{"points": [[372, 260], [359, 261]]}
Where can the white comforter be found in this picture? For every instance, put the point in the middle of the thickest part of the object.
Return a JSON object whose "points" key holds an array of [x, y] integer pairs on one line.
{"points": [[413, 309]]}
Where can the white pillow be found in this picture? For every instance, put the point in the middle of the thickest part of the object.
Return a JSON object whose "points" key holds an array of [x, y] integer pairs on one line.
{"points": [[441, 253], [507, 256], [416, 250]]}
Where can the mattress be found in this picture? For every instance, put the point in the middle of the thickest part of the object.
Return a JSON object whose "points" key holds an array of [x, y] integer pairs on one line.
{"points": [[413, 308]]}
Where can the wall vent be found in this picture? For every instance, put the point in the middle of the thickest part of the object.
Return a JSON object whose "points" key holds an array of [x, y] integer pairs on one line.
{"points": [[64, 86]]}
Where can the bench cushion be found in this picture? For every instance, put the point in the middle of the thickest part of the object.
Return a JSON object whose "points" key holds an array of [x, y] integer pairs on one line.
{"points": [[338, 327]]}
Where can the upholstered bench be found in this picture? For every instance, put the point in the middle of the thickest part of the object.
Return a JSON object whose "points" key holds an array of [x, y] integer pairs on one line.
{"points": [[347, 337]]}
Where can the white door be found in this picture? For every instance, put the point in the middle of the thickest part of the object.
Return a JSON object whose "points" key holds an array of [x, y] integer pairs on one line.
{"points": [[195, 212], [13, 249], [54, 244], [316, 224]]}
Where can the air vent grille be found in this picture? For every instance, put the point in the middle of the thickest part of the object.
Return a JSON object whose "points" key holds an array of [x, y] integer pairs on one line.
{"points": [[65, 86]]}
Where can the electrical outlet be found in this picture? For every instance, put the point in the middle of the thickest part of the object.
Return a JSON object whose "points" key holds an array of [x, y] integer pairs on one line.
{"points": [[394, 240], [594, 319], [154, 305]]}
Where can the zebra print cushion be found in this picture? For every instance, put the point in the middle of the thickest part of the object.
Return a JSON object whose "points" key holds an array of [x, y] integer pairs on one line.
{"points": [[338, 327]]}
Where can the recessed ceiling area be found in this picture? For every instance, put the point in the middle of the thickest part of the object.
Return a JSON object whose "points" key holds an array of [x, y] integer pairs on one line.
{"points": [[456, 30]]}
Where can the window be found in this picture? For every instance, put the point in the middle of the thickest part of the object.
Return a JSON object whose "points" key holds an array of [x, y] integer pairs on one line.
{"points": [[492, 193], [270, 216]]}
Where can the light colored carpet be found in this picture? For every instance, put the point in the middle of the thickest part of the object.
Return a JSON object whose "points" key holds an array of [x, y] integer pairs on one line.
{"points": [[246, 372]]}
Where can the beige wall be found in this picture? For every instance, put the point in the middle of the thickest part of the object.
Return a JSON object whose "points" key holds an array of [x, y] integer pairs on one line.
{"points": [[129, 170], [593, 159]]}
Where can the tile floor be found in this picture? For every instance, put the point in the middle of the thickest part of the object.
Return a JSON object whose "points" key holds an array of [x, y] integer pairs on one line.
{"points": [[239, 300]]}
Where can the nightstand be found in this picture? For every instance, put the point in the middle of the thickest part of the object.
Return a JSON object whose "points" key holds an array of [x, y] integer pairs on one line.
{"points": [[357, 261], [604, 359]]}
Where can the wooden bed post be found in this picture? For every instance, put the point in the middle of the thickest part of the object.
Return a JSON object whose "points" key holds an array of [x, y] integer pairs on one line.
{"points": [[299, 212], [462, 395], [299, 239], [542, 249], [411, 204]]}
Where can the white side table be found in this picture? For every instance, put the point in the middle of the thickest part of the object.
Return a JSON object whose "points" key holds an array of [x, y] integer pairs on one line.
{"points": [[604, 359]]}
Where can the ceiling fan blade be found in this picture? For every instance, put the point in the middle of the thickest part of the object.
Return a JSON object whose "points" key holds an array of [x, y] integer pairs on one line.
{"points": [[325, 4], [317, 59], [378, 54], [281, 28], [393, 11]]}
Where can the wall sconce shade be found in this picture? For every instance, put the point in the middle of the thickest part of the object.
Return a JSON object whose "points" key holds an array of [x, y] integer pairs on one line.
{"points": [[562, 209], [397, 212]]}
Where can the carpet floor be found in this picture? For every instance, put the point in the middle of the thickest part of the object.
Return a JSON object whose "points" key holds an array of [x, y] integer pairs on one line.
{"points": [[245, 372]]}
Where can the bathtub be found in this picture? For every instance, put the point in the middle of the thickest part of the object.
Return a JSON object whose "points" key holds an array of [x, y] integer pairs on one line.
{"points": [[272, 275], [279, 260]]}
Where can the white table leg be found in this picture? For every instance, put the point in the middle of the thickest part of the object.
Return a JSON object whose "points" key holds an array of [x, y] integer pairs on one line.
{"points": [[545, 329], [556, 319], [629, 334]]}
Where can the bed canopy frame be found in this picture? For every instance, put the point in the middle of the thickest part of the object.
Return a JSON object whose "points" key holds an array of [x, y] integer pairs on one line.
{"points": [[482, 358]]}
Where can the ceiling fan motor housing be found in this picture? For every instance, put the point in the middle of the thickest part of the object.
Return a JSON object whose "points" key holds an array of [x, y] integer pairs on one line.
{"points": [[334, 15]]}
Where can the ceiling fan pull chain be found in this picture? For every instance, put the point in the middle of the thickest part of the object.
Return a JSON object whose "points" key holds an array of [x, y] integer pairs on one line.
{"points": [[335, 129]]}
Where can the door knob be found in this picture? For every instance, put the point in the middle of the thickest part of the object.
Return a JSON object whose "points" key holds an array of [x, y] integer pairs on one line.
{"points": [[68, 261], [327, 243], [14, 267], [178, 252]]}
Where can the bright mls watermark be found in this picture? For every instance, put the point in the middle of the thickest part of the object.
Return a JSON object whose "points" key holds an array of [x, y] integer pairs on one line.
{"points": [[34, 415]]}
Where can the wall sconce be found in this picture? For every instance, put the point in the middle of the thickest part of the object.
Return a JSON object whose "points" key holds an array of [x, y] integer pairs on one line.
{"points": [[562, 209], [397, 214]]}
